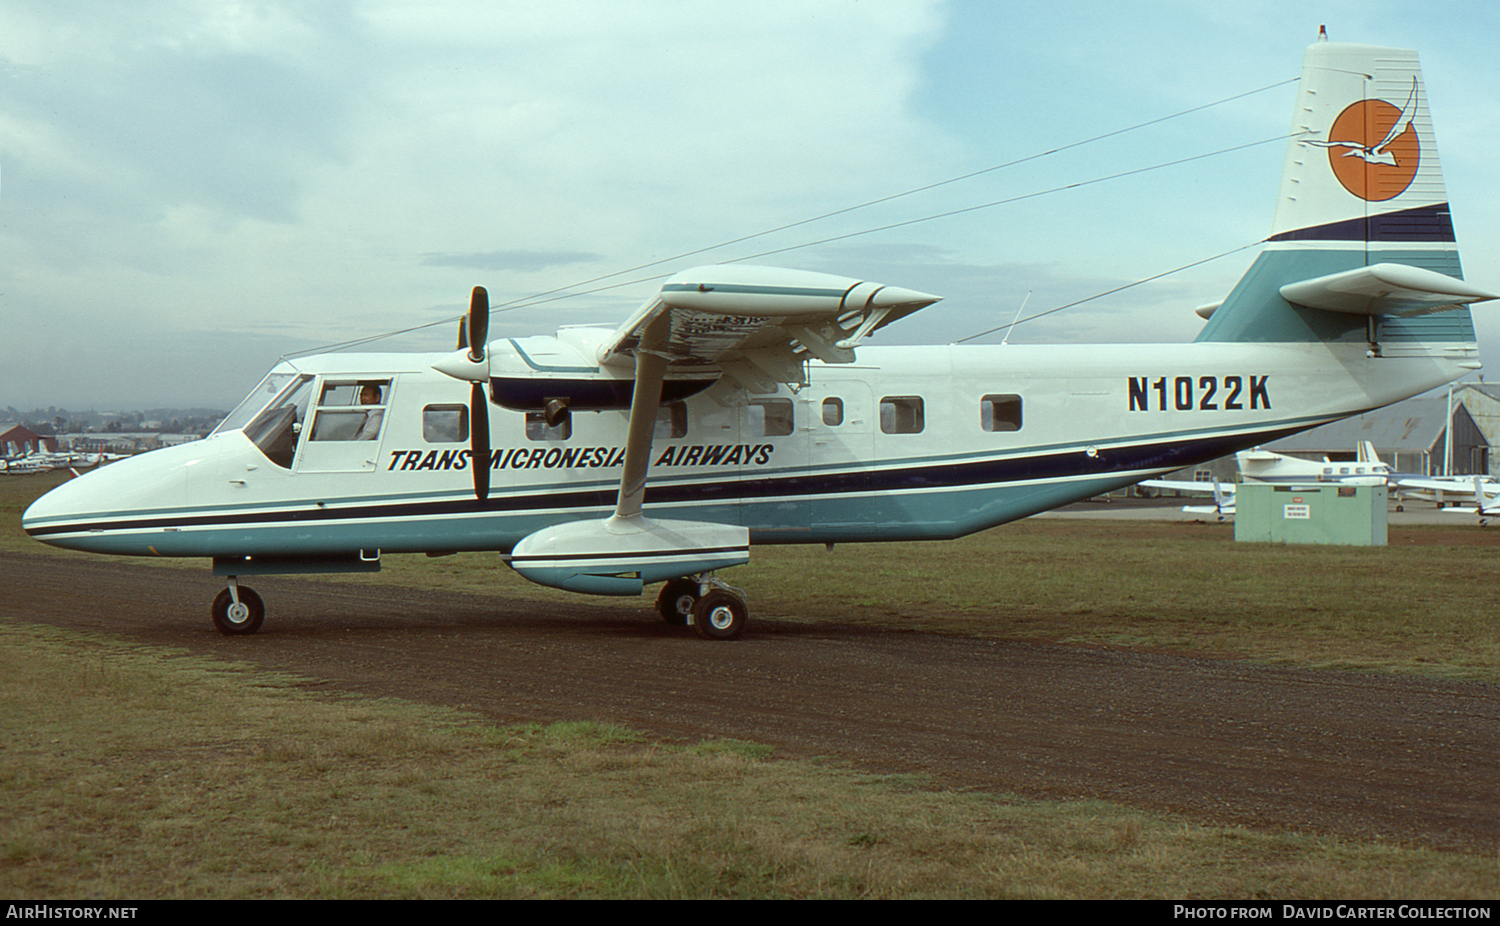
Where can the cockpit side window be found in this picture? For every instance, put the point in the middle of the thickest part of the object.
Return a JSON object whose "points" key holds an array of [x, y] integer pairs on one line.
{"points": [[276, 428], [351, 410]]}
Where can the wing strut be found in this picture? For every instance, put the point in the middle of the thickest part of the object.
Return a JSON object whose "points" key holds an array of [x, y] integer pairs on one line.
{"points": [[645, 399], [627, 551]]}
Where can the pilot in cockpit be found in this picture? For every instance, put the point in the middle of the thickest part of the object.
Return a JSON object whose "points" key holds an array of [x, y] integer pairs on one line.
{"points": [[369, 394]]}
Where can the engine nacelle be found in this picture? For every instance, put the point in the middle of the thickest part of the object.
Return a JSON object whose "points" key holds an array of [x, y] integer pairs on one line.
{"points": [[527, 373]]}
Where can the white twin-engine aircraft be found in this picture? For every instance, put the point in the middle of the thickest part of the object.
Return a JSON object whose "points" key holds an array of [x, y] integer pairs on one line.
{"points": [[740, 406]]}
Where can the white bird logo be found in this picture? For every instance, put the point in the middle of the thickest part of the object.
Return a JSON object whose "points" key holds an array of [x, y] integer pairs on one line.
{"points": [[1378, 153]]}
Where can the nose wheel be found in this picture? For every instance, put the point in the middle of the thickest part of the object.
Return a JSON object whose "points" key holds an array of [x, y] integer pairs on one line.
{"points": [[238, 611]]}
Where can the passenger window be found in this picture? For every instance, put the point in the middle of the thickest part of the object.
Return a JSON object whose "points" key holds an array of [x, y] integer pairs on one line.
{"points": [[771, 417], [445, 424], [833, 412], [901, 414], [671, 421], [1000, 412]]}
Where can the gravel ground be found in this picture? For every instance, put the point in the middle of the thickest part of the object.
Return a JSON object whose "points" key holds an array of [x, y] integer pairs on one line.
{"points": [[1218, 740]]}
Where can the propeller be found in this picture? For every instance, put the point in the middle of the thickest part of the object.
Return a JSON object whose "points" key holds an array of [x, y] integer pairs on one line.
{"points": [[475, 331]]}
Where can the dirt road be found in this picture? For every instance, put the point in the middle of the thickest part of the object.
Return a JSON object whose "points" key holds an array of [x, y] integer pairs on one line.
{"points": [[1221, 741]]}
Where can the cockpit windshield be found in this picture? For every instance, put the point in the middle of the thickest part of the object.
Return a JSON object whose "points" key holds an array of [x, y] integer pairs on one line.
{"points": [[275, 430], [268, 389]]}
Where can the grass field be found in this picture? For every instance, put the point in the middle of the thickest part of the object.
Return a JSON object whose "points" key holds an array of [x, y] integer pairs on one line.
{"points": [[138, 772]]}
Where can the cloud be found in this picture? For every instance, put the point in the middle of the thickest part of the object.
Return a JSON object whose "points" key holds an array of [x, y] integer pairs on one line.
{"points": [[257, 173], [316, 172], [518, 261]]}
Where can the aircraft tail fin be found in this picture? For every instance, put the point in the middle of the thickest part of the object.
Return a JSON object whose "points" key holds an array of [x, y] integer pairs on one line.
{"points": [[1362, 245], [1367, 452]]}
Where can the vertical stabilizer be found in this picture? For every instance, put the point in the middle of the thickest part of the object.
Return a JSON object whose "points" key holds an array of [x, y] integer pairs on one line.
{"points": [[1361, 188], [1361, 164]]}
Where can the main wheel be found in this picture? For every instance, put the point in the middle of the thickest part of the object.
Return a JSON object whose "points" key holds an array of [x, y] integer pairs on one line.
{"points": [[235, 620], [719, 615], [675, 603]]}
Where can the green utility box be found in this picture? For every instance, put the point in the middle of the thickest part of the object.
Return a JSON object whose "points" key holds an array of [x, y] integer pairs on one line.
{"points": [[1313, 513]]}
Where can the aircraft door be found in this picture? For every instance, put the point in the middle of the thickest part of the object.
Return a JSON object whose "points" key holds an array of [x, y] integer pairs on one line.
{"points": [[774, 438], [841, 422], [347, 426], [740, 461]]}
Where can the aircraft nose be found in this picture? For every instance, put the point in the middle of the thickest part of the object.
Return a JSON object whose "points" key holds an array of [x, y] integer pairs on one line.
{"points": [[92, 511], [58, 506]]}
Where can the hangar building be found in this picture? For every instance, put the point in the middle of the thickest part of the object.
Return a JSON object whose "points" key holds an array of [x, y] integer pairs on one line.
{"points": [[17, 441]]}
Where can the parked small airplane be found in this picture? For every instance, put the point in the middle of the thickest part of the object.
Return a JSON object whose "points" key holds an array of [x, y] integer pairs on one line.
{"points": [[1257, 465], [1223, 507], [1264, 466], [735, 394], [1483, 497], [42, 461], [1439, 489]]}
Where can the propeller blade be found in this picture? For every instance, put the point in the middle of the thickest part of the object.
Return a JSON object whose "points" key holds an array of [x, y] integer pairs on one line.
{"points": [[479, 323], [479, 441]]}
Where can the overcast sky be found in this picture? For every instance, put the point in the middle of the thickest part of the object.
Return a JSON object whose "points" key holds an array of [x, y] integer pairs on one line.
{"points": [[189, 190]]}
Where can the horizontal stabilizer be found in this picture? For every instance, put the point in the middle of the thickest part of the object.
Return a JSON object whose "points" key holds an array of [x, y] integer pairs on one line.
{"points": [[1384, 289]]}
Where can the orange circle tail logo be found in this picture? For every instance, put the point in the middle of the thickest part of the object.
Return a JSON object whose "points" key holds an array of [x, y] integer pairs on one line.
{"points": [[1373, 148]]}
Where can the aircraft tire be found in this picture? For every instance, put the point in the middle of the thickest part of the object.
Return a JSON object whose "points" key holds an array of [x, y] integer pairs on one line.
{"points": [[235, 622], [675, 603], [719, 615]]}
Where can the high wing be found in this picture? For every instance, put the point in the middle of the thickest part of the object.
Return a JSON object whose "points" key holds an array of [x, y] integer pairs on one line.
{"points": [[758, 326]]}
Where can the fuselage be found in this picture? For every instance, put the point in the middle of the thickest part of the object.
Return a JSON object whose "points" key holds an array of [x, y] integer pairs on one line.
{"points": [[907, 443]]}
